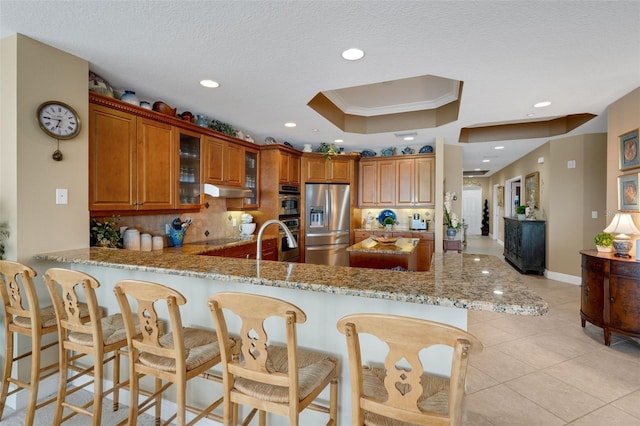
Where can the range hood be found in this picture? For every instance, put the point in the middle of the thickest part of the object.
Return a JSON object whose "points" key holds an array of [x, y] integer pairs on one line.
{"points": [[226, 191]]}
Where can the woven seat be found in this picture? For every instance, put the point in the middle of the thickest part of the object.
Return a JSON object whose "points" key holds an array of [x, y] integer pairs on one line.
{"points": [[95, 338], [401, 393], [24, 316], [173, 358], [271, 378]]}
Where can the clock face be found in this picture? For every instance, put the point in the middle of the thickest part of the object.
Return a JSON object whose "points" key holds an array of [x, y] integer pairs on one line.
{"points": [[58, 120]]}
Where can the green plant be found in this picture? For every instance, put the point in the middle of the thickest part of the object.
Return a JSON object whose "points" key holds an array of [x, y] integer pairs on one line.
{"points": [[485, 218], [105, 233], [4, 235], [450, 218], [388, 221], [521, 210], [221, 127], [603, 239], [328, 150]]}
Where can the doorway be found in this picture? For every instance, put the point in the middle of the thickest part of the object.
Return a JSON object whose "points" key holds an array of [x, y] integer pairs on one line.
{"points": [[495, 234], [472, 209], [511, 196]]}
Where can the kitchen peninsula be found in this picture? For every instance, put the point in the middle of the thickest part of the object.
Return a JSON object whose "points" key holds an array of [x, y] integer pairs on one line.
{"points": [[385, 253], [455, 284]]}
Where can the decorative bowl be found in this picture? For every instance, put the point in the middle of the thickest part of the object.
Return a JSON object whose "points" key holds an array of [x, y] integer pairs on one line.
{"points": [[163, 108]]}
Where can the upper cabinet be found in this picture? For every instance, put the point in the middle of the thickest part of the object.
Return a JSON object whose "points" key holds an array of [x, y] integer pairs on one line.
{"points": [[131, 162], [377, 183], [144, 160], [319, 168], [406, 181], [289, 170], [224, 162]]}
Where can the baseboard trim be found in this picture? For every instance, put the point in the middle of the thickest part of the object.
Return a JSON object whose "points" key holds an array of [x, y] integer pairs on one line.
{"points": [[570, 279]]}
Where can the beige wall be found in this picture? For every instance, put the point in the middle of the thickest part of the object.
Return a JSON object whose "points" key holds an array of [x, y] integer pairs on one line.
{"points": [[39, 73], [623, 117], [567, 196]]}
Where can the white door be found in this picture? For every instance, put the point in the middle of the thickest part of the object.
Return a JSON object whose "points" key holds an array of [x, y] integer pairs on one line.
{"points": [[472, 209]]}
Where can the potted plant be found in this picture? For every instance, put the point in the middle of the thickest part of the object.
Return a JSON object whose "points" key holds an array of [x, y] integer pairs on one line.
{"points": [[521, 211], [485, 218], [604, 242], [4, 235], [105, 233], [388, 223]]}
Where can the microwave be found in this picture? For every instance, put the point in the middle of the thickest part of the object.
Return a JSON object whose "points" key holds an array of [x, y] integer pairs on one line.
{"points": [[289, 201]]}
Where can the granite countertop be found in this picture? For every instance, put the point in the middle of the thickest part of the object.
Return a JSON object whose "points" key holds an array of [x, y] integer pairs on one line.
{"points": [[467, 281], [394, 229], [402, 246], [212, 245]]}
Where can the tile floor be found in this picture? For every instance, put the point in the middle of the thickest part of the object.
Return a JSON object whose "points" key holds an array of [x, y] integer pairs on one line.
{"points": [[548, 370]]}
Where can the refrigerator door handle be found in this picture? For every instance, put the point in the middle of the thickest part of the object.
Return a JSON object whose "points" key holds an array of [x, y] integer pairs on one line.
{"points": [[327, 206], [324, 234]]}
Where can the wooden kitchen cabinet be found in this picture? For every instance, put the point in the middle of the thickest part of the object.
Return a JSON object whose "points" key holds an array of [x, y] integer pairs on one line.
{"points": [[289, 170], [610, 294], [377, 183], [248, 250], [425, 247], [403, 182], [224, 162], [415, 179], [317, 168], [132, 162]]}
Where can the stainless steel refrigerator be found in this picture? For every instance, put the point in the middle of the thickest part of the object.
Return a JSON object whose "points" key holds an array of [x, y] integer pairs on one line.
{"points": [[327, 223]]}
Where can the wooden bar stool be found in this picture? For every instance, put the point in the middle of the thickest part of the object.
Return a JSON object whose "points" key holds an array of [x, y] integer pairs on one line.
{"points": [[23, 315], [400, 392], [281, 379], [95, 336], [175, 357]]}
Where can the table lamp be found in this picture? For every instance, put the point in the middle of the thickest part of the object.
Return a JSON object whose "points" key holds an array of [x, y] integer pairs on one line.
{"points": [[622, 225]]}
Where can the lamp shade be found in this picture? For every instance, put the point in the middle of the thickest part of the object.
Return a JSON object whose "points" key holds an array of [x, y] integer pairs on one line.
{"points": [[622, 223]]}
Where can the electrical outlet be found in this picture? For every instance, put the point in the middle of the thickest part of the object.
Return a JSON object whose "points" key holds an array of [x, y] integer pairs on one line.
{"points": [[62, 196], [594, 214]]}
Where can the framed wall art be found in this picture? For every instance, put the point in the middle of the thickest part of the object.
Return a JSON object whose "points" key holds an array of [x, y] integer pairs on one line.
{"points": [[532, 189], [629, 155], [628, 197], [501, 196]]}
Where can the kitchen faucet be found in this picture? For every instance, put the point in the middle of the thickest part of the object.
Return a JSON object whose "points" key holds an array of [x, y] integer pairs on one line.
{"points": [[290, 238]]}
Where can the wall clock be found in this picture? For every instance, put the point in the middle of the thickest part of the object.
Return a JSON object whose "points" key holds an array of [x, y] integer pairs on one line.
{"points": [[58, 120]]}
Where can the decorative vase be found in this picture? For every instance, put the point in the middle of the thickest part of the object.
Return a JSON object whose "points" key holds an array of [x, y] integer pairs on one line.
{"points": [[130, 97], [451, 233], [307, 148], [388, 227], [177, 236], [522, 216], [604, 249], [146, 105], [201, 120]]}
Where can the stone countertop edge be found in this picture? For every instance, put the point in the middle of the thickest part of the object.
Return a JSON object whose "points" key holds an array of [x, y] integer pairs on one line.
{"points": [[466, 281]]}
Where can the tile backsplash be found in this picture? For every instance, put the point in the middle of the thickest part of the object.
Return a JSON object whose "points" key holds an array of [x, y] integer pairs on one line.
{"points": [[209, 223]]}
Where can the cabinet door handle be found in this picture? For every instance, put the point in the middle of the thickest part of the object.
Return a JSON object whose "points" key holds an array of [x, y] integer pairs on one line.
{"points": [[611, 299]]}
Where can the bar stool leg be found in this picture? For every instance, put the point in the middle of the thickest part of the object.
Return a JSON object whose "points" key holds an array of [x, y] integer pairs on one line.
{"points": [[116, 381], [6, 372], [98, 386], [35, 381]]}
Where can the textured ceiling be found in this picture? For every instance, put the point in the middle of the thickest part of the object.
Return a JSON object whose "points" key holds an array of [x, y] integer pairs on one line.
{"points": [[272, 58]]}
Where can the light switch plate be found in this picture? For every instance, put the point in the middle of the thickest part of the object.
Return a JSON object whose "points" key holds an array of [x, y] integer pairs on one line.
{"points": [[62, 196]]}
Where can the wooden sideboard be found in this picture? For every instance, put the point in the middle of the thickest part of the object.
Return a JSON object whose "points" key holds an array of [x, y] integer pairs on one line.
{"points": [[610, 293], [524, 244]]}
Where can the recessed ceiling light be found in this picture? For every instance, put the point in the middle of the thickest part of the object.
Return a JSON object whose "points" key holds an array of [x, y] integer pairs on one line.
{"points": [[315, 130], [338, 141], [476, 170], [486, 161], [352, 54], [499, 147], [408, 138], [209, 83], [542, 104], [289, 124]]}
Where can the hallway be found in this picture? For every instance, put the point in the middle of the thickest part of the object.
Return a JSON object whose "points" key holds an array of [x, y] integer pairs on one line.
{"points": [[549, 370]]}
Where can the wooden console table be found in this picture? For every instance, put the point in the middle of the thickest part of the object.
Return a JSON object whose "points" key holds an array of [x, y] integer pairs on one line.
{"points": [[610, 293]]}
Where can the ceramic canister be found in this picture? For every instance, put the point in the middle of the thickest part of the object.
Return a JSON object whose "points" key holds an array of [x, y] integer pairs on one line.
{"points": [[131, 239], [130, 97], [145, 242], [157, 243]]}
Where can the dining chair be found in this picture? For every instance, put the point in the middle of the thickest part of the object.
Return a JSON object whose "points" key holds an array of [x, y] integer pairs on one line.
{"points": [[395, 389], [283, 379], [172, 358], [87, 344]]}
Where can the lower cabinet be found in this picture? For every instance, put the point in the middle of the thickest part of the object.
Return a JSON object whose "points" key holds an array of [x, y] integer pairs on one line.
{"points": [[524, 244], [426, 245], [610, 294], [248, 251]]}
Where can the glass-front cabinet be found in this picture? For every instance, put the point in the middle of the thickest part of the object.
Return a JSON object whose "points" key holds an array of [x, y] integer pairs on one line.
{"points": [[251, 177], [190, 167]]}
